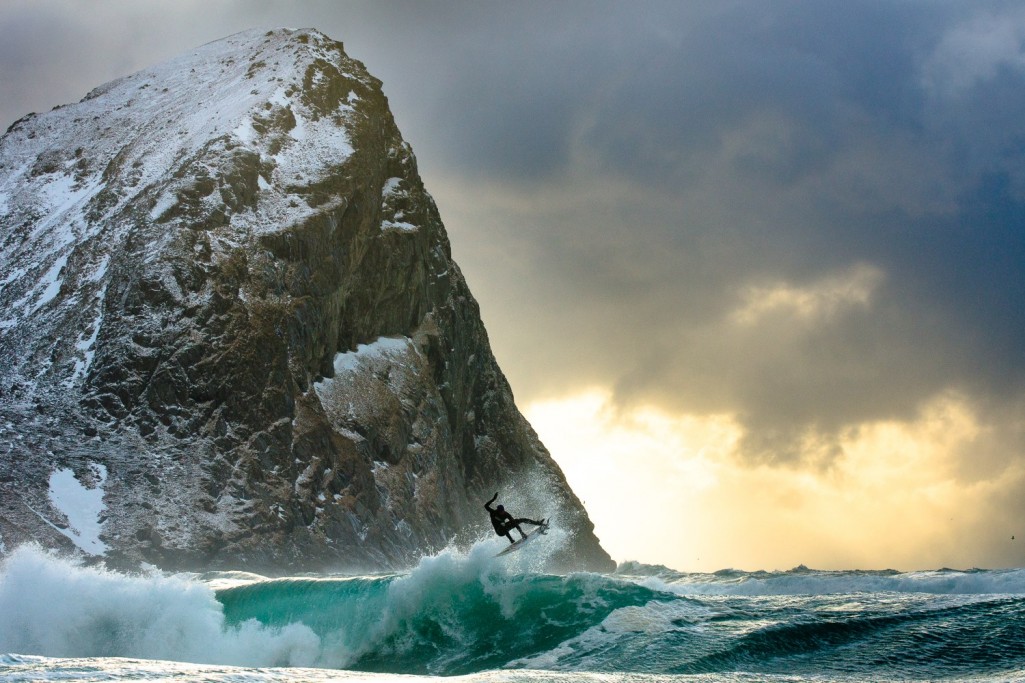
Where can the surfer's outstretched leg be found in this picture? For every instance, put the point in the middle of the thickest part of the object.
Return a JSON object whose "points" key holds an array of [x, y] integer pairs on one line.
{"points": [[523, 520]]}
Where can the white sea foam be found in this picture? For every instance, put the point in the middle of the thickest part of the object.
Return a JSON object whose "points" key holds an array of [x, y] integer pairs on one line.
{"points": [[468, 611], [29, 668], [56, 608]]}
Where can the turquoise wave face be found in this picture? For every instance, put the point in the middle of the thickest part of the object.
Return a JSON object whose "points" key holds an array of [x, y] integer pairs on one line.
{"points": [[444, 624], [468, 613], [460, 615]]}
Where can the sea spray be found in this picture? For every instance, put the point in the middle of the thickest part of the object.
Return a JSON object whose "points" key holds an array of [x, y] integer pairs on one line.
{"points": [[55, 607], [471, 613], [454, 613]]}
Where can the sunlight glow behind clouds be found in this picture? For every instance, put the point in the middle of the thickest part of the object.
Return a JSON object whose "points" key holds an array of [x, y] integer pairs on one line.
{"points": [[664, 488], [824, 298]]}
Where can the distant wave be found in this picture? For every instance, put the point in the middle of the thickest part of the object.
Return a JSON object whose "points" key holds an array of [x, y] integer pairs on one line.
{"points": [[465, 613], [804, 581]]}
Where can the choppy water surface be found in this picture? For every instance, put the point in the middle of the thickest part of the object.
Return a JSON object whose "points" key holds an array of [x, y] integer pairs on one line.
{"points": [[475, 617]]}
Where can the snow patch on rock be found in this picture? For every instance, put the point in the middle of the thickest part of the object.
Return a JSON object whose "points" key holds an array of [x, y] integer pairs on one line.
{"points": [[383, 348], [82, 504]]}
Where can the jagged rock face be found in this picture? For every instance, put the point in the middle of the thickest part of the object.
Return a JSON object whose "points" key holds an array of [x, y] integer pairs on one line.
{"points": [[232, 326]]}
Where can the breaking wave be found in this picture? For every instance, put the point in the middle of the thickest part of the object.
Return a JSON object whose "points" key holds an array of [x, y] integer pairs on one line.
{"points": [[464, 613], [54, 607]]}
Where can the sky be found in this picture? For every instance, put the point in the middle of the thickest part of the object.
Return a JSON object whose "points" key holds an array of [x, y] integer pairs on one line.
{"points": [[755, 269]]}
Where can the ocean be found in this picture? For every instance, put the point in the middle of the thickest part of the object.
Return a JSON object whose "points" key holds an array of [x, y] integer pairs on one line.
{"points": [[469, 615]]}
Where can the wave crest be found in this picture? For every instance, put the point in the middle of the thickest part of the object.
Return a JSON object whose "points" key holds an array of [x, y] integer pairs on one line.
{"points": [[463, 613]]}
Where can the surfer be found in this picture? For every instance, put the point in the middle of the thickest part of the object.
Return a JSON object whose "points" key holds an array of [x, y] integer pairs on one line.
{"points": [[504, 522]]}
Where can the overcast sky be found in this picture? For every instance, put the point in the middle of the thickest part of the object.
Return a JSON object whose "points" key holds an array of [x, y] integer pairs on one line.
{"points": [[754, 267]]}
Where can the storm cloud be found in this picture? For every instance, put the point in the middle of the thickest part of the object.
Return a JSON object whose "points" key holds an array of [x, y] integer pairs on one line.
{"points": [[777, 150], [809, 216]]}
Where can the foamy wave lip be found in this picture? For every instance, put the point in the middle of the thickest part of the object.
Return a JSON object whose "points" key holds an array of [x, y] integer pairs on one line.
{"points": [[56, 608]]}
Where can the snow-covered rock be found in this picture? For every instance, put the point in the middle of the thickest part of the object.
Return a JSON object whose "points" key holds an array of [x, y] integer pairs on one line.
{"points": [[232, 334]]}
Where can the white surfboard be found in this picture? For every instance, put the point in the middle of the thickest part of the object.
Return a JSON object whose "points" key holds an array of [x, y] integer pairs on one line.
{"points": [[513, 547]]}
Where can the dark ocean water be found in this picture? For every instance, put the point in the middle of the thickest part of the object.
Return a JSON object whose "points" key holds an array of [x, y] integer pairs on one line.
{"points": [[475, 617]]}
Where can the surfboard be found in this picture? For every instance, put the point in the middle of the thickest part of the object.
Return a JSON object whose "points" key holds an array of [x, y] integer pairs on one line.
{"points": [[513, 547]]}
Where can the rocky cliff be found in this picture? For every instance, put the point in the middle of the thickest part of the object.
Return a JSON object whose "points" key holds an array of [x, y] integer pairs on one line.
{"points": [[232, 333]]}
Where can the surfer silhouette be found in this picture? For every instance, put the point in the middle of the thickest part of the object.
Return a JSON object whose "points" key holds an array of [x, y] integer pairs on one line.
{"points": [[504, 522]]}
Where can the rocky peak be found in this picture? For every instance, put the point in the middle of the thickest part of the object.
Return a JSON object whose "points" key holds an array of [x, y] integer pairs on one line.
{"points": [[224, 286]]}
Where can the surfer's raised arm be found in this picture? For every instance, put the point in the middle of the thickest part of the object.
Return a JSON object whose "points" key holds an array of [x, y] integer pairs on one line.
{"points": [[487, 505]]}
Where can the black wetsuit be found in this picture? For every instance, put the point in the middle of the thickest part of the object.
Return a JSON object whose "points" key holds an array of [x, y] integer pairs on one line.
{"points": [[504, 523]]}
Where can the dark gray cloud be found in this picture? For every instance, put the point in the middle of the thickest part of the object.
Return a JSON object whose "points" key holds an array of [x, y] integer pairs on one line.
{"points": [[621, 179], [784, 141]]}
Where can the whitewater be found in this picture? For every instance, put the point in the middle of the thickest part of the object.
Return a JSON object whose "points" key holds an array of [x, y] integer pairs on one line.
{"points": [[479, 618]]}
